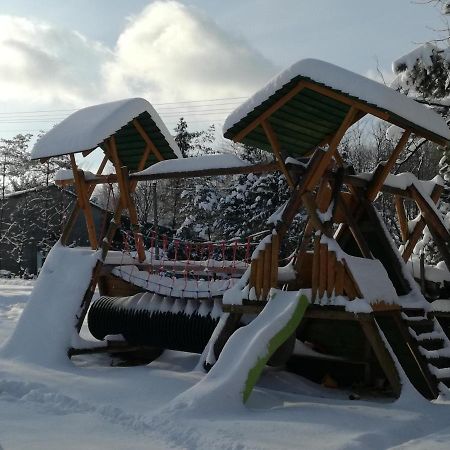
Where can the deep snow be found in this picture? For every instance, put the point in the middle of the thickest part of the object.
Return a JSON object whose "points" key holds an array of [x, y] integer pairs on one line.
{"points": [[91, 404]]}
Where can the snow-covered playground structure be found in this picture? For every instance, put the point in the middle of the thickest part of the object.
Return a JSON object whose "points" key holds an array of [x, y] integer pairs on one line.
{"points": [[346, 307]]}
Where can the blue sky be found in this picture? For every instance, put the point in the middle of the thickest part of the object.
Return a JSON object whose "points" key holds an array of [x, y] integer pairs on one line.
{"points": [[64, 55]]}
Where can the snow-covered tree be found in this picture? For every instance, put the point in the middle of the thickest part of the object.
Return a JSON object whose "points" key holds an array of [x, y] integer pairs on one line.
{"points": [[424, 74]]}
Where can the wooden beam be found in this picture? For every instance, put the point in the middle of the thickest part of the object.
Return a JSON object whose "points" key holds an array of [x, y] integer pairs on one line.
{"points": [[420, 226], [334, 142], [323, 198], [357, 234], [147, 140], [267, 269], [315, 171], [312, 208], [440, 234], [315, 269], [76, 208], [323, 255], [118, 167], [253, 268], [256, 168], [384, 115], [274, 261], [88, 212], [83, 201], [259, 274], [87, 152], [383, 170], [355, 181], [402, 219], [138, 239], [331, 273], [275, 144], [387, 364], [268, 112], [340, 274]]}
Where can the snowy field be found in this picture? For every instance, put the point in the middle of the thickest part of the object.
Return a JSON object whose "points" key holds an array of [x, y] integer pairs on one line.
{"points": [[93, 404]]}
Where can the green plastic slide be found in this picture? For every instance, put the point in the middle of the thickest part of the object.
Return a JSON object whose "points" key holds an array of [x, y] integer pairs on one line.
{"points": [[296, 309]]}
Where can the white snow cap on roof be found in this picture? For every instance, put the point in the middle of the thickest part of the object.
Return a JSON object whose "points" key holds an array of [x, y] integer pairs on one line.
{"points": [[349, 83], [88, 127], [204, 162]]}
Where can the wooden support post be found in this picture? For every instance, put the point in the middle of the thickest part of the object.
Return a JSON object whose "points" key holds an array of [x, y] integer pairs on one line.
{"points": [[331, 273], [275, 144], [420, 226], [106, 242], [383, 169], [295, 201], [387, 364], [311, 207], [76, 208], [315, 269], [323, 198], [402, 220], [267, 269], [422, 272], [323, 255], [340, 274], [315, 171], [357, 234], [259, 274], [253, 269], [440, 234], [118, 167], [334, 142], [138, 239], [83, 201], [274, 262]]}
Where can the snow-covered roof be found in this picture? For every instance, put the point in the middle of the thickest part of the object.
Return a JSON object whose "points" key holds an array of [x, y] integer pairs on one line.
{"points": [[87, 128], [402, 110]]}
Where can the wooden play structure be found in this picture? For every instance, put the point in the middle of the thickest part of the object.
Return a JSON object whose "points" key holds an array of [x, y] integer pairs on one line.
{"points": [[365, 307]]}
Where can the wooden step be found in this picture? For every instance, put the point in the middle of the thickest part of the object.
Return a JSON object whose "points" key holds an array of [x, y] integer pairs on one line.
{"points": [[446, 381], [421, 326], [432, 344], [414, 312], [441, 362]]}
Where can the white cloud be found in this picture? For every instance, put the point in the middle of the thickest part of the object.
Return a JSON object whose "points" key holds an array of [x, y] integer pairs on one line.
{"points": [[174, 52], [168, 52], [42, 64]]}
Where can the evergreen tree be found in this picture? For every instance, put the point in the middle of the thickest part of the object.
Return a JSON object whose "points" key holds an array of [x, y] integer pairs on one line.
{"points": [[424, 74]]}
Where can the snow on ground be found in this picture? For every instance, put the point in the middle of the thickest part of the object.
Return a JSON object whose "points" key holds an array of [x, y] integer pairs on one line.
{"points": [[93, 404]]}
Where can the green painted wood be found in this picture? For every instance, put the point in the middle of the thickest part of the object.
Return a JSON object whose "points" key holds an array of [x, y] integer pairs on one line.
{"points": [[131, 146], [305, 120], [275, 342]]}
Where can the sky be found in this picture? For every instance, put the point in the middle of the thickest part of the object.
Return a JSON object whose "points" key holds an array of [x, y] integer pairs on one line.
{"points": [[196, 58]]}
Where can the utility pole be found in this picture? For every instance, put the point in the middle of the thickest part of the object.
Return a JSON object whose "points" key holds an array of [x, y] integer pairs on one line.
{"points": [[155, 218]]}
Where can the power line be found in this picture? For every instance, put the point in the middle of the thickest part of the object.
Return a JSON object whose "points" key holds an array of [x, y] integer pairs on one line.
{"points": [[154, 104]]}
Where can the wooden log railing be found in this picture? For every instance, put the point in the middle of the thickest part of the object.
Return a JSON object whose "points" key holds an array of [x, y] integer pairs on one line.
{"points": [[264, 268], [331, 275]]}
